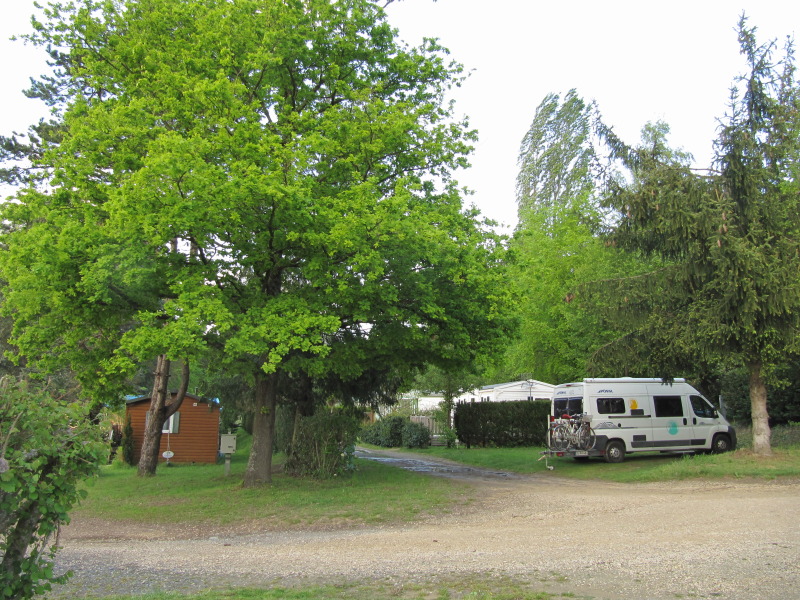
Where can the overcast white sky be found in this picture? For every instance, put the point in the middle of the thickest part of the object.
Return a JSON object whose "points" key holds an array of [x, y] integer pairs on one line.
{"points": [[640, 60]]}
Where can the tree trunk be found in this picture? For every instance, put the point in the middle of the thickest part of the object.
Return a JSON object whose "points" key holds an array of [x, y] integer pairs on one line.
{"points": [[156, 416], [758, 411], [162, 407], [175, 404], [259, 465]]}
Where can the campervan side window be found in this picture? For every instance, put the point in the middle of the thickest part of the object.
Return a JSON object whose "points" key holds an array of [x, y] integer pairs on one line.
{"points": [[568, 406], [702, 408], [668, 406], [610, 406]]}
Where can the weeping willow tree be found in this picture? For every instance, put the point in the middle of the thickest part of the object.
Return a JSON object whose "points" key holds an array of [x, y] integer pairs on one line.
{"points": [[556, 157], [729, 239]]}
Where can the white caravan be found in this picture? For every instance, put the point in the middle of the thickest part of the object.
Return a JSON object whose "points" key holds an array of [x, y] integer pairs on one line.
{"points": [[612, 417]]}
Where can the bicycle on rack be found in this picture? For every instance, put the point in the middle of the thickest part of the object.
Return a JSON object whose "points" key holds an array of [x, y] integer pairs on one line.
{"points": [[571, 433]]}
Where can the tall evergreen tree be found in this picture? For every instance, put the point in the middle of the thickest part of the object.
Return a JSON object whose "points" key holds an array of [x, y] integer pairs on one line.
{"points": [[730, 240]]}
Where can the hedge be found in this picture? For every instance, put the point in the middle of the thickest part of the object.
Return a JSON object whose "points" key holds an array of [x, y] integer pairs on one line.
{"points": [[502, 424], [394, 432]]}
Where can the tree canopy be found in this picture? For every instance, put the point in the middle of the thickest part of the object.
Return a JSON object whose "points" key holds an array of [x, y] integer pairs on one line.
{"points": [[267, 184]]}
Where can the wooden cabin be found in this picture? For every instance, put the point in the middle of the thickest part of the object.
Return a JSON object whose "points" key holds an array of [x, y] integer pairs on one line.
{"points": [[191, 434]]}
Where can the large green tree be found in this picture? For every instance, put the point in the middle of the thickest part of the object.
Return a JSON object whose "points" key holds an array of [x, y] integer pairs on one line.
{"points": [[272, 183], [557, 247], [557, 158], [730, 239]]}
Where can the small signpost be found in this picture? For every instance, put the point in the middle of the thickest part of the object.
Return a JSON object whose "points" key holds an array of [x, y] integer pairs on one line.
{"points": [[227, 446]]}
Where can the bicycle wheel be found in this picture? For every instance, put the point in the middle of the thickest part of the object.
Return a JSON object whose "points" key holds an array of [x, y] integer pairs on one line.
{"points": [[559, 437], [586, 438]]}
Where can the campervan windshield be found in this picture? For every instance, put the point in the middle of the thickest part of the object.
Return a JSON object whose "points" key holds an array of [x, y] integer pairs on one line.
{"points": [[568, 406]]}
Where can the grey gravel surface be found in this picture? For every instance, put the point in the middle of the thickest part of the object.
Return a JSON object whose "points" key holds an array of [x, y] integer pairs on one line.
{"points": [[729, 540]]}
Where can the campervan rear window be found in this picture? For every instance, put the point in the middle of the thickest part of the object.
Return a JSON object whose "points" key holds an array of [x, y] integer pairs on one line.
{"points": [[610, 406], [568, 406]]}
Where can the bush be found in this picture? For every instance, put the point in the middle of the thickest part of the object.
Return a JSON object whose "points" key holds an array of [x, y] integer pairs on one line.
{"points": [[394, 432], [46, 450], [416, 435], [783, 401], [783, 436], [387, 433], [127, 443], [323, 445]]}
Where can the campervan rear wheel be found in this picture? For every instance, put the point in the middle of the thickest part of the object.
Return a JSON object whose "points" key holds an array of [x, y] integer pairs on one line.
{"points": [[615, 452], [721, 443]]}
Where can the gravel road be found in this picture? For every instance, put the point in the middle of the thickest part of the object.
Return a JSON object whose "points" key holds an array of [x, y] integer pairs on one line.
{"points": [[723, 540]]}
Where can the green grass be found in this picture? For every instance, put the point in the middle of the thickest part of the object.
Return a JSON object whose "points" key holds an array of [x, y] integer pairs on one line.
{"points": [[202, 494], [474, 587], [742, 463]]}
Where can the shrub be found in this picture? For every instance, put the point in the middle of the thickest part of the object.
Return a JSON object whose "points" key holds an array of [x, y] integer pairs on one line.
{"points": [[46, 450], [416, 435], [127, 443], [323, 445], [387, 432]]}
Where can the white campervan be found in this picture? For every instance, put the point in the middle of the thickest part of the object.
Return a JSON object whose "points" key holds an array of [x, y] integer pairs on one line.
{"points": [[612, 417]]}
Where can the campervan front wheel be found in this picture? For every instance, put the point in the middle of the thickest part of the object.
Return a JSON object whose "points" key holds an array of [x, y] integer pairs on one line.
{"points": [[721, 443], [615, 452]]}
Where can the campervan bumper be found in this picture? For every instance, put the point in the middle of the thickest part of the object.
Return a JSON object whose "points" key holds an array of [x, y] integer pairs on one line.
{"points": [[599, 449]]}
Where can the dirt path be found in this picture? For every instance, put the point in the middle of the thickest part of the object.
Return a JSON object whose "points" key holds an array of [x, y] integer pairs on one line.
{"points": [[609, 541]]}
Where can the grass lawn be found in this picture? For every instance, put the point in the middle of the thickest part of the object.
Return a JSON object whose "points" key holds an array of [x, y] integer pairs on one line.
{"points": [[200, 494], [742, 463], [635, 468], [487, 587]]}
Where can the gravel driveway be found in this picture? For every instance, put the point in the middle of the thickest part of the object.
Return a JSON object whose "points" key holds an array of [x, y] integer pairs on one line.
{"points": [[696, 539]]}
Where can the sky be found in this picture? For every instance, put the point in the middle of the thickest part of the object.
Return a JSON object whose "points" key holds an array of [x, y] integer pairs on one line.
{"points": [[640, 61]]}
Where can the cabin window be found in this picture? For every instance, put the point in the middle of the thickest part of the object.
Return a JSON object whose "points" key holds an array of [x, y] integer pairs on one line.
{"points": [[702, 407], [568, 406], [668, 406], [610, 406], [171, 425]]}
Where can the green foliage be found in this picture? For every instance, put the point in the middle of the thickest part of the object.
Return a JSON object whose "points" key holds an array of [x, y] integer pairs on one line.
{"points": [[416, 435], [322, 445], [557, 160], [784, 394], [727, 290], [268, 203], [47, 450], [556, 248], [502, 424], [553, 259], [128, 446], [386, 432]]}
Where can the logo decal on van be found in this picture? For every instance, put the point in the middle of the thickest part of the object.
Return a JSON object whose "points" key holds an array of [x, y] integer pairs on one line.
{"points": [[672, 428], [634, 404]]}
